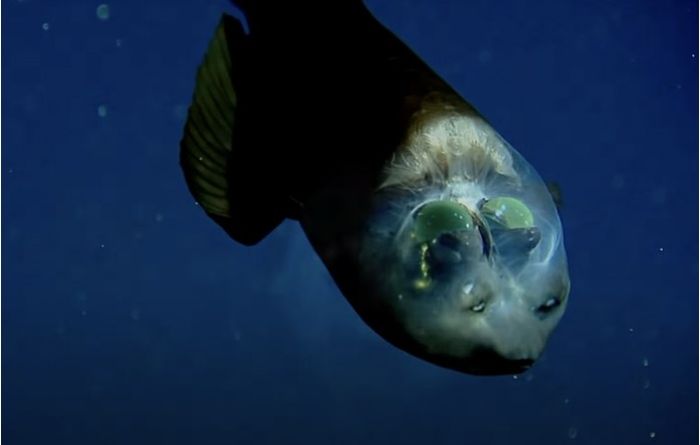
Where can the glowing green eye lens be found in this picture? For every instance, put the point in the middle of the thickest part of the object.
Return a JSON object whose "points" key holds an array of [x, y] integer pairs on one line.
{"points": [[438, 217], [509, 212]]}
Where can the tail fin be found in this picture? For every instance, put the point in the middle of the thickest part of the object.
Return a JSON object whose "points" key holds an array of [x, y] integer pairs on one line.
{"points": [[207, 152]]}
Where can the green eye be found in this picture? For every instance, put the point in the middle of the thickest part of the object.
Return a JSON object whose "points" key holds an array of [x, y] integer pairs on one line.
{"points": [[438, 217], [509, 212]]}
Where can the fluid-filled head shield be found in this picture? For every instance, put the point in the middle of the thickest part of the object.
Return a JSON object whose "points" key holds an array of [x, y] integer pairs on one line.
{"points": [[465, 247]]}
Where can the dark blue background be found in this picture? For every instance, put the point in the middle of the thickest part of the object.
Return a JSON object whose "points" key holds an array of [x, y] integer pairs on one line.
{"points": [[130, 317]]}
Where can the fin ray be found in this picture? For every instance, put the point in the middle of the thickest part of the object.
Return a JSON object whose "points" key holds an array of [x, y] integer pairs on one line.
{"points": [[205, 146], [218, 166]]}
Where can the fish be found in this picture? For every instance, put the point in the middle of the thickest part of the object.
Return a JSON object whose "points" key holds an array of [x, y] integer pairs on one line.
{"points": [[442, 237]]}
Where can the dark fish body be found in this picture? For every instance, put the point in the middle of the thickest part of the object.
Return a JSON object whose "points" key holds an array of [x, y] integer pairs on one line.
{"points": [[439, 234]]}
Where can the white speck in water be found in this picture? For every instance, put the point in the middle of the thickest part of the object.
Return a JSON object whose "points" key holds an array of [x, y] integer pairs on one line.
{"points": [[103, 11], [652, 435], [159, 217], [631, 329], [661, 249], [566, 401], [692, 55], [646, 384], [515, 377], [135, 314], [45, 26], [102, 110], [11, 171], [102, 246], [573, 432], [118, 43], [645, 362], [196, 203], [83, 312], [400, 297]]}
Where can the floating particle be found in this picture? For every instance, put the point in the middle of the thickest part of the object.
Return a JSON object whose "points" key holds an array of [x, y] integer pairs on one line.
{"points": [[645, 362], [102, 110], [652, 434], [102, 246], [45, 26], [573, 432], [661, 249], [159, 217], [103, 11], [118, 42], [646, 384]]}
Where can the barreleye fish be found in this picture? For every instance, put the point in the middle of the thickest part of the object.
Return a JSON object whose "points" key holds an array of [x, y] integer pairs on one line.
{"points": [[442, 237]]}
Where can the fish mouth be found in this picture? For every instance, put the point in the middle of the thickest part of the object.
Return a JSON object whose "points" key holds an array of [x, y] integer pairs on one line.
{"points": [[486, 362]]}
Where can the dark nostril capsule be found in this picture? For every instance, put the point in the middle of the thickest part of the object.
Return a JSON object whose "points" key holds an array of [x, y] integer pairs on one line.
{"points": [[478, 307], [514, 241], [446, 250], [532, 238], [548, 306], [445, 254]]}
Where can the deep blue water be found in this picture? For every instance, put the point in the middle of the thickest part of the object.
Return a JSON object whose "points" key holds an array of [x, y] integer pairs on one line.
{"points": [[130, 317]]}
